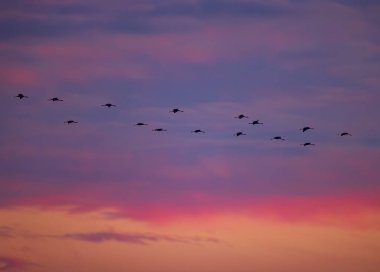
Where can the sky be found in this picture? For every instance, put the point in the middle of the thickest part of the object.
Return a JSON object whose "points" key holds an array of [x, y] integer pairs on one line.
{"points": [[106, 195]]}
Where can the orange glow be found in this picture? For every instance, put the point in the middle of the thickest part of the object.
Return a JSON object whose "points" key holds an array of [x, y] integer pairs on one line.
{"points": [[224, 242]]}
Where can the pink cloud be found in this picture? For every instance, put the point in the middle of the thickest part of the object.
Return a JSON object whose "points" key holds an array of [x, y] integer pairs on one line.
{"points": [[210, 184], [209, 44], [84, 60], [349, 209], [19, 75], [98, 54]]}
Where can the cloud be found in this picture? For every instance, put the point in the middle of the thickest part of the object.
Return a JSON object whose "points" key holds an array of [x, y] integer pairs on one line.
{"points": [[145, 202], [97, 45], [213, 8], [11, 29], [134, 238], [20, 75], [41, 8], [14, 264], [40, 19], [347, 211], [360, 4]]}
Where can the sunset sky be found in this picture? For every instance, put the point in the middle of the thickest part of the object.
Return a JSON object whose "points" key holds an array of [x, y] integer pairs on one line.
{"points": [[106, 195]]}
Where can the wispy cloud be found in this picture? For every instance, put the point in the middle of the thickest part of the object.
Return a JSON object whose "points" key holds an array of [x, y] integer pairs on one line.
{"points": [[363, 3], [213, 8], [28, 19], [14, 264], [135, 238]]}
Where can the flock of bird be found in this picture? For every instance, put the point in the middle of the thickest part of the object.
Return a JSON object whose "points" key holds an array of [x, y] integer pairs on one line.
{"points": [[176, 110]]}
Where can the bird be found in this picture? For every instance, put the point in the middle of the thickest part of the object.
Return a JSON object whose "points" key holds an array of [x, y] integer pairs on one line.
{"points": [[159, 129], [175, 110], [307, 144], [237, 134], [21, 96], [345, 134], [141, 124], [109, 105], [71, 122], [306, 129], [55, 99], [198, 131], [278, 138], [241, 116], [256, 122]]}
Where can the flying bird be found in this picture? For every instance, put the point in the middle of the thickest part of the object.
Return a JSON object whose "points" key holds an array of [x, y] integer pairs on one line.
{"points": [[159, 129], [109, 105], [278, 138], [175, 110], [54, 99], [237, 134], [307, 144], [141, 124], [21, 96], [345, 134], [198, 131], [256, 122], [241, 116], [306, 129], [71, 122]]}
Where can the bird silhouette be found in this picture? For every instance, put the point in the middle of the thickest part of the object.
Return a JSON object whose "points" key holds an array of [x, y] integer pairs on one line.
{"points": [[109, 105], [54, 99], [237, 134], [21, 96], [278, 138], [141, 124], [159, 129], [175, 110], [198, 131], [345, 134], [256, 122], [241, 116], [306, 129], [307, 144], [71, 122]]}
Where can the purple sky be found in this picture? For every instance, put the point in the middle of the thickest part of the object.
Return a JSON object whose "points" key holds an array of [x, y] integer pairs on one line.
{"points": [[288, 63]]}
